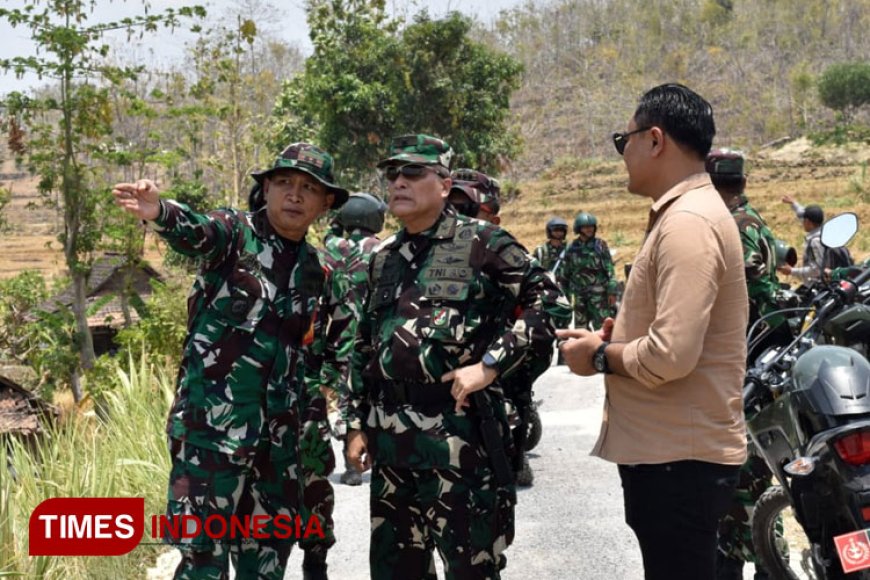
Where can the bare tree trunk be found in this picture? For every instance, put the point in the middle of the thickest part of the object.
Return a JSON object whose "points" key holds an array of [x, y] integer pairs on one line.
{"points": [[85, 340]]}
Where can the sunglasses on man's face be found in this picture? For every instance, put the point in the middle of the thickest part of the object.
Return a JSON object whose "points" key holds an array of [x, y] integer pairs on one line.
{"points": [[620, 140], [413, 172]]}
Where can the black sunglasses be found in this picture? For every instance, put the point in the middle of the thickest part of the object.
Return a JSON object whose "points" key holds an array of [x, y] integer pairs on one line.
{"points": [[621, 139], [467, 208], [392, 172]]}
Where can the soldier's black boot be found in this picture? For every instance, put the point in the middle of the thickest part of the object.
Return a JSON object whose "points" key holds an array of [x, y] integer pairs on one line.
{"points": [[728, 568], [350, 476], [525, 477], [314, 566]]}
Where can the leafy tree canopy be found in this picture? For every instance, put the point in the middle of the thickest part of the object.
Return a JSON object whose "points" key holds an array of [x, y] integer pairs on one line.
{"points": [[369, 79]]}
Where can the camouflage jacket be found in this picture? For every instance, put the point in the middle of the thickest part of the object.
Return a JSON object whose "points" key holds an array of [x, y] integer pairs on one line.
{"points": [[548, 254], [350, 257], [847, 272], [256, 325], [437, 301], [589, 269], [759, 257]]}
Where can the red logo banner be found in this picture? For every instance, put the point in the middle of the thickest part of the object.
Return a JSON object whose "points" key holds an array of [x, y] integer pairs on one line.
{"points": [[86, 526]]}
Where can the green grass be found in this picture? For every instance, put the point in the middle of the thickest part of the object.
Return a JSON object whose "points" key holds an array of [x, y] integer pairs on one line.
{"points": [[122, 456]]}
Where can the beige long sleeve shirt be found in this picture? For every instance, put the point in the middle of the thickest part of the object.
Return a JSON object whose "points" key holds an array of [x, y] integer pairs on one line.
{"points": [[683, 317]]}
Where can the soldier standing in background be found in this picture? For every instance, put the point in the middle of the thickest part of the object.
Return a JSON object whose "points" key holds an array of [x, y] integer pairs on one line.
{"points": [[423, 410], [759, 259], [255, 328], [475, 194], [588, 271], [362, 218], [551, 254]]}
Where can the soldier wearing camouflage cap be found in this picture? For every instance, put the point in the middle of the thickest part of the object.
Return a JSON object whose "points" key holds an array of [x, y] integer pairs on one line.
{"points": [[589, 275], [726, 169], [244, 429], [424, 408], [475, 194]]}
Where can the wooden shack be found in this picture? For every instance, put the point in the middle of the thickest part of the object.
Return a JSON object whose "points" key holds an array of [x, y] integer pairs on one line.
{"points": [[105, 287]]}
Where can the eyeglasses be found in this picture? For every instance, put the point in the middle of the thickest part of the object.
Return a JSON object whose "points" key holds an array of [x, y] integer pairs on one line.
{"points": [[621, 139], [413, 172]]}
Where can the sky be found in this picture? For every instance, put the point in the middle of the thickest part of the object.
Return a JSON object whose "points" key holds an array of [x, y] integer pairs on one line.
{"points": [[165, 47]]}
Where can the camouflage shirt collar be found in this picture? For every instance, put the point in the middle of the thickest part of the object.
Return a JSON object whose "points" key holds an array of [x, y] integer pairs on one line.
{"points": [[444, 228]]}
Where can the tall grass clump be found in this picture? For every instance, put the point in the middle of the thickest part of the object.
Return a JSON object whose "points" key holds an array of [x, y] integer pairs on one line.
{"points": [[122, 454]]}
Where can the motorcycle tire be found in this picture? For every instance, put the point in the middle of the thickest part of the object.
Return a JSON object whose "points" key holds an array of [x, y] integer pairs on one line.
{"points": [[767, 510], [535, 430]]}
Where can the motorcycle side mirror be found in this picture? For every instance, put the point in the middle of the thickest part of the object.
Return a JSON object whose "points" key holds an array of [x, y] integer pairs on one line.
{"points": [[839, 230]]}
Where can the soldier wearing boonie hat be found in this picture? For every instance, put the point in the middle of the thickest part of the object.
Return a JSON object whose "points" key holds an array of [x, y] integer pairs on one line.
{"points": [[435, 337], [245, 431]]}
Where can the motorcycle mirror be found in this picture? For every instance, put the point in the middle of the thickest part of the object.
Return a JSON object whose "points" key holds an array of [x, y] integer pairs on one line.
{"points": [[839, 230]]}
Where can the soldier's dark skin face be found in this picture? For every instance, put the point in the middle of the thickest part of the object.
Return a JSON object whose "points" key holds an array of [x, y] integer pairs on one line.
{"points": [[418, 201], [587, 233], [294, 200]]}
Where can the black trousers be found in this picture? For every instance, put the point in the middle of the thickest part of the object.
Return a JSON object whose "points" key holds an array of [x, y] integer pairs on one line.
{"points": [[674, 510]]}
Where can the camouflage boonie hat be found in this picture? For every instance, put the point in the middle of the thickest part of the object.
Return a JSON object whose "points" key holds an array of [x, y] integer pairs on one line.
{"points": [[311, 160], [422, 149], [724, 162]]}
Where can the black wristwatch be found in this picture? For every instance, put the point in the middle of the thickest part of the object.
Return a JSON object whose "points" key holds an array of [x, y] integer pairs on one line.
{"points": [[599, 360]]}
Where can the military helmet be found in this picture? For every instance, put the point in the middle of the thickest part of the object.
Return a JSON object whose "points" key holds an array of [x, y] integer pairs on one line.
{"points": [[362, 210], [785, 254], [556, 223], [583, 219]]}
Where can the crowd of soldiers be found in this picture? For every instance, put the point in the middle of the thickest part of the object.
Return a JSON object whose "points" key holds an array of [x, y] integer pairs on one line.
{"points": [[418, 352]]}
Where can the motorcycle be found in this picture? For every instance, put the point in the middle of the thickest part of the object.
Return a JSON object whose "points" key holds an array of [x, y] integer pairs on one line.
{"points": [[808, 414]]}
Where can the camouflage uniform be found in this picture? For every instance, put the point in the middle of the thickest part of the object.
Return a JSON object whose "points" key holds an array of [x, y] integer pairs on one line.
{"points": [[435, 299], [845, 273], [243, 426], [759, 259], [591, 281]]}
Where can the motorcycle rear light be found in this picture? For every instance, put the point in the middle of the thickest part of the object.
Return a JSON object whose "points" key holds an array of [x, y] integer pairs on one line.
{"points": [[865, 513], [800, 466], [854, 449]]}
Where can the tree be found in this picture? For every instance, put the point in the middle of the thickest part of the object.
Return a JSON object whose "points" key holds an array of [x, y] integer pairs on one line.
{"points": [[845, 87], [369, 80], [66, 126]]}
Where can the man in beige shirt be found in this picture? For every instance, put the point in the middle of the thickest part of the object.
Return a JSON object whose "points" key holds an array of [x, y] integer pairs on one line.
{"points": [[675, 356]]}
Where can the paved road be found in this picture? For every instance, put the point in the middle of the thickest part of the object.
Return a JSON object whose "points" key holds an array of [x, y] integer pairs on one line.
{"points": [[569, 524]]}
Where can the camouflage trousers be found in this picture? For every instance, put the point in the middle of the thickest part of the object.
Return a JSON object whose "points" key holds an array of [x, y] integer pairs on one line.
{"points": [[591, 309], [460, 513], [317, 462], [204, 483], [735, 531]]}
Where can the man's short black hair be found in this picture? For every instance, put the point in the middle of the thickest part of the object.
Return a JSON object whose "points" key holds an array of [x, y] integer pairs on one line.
{"points": [[815, 214], [681, 113]]}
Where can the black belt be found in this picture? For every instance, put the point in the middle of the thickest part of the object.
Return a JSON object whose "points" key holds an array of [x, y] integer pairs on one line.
{"points": [[393, 393]]}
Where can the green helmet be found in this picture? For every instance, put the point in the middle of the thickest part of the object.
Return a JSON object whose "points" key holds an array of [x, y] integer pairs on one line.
{"points": [[785, 254], [584, 219], [362, 210]]}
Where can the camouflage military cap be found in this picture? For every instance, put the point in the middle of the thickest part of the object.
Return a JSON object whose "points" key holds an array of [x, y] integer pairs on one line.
{"points": [[311, 160], [421, 149], [487, 188], [725, 162]]}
